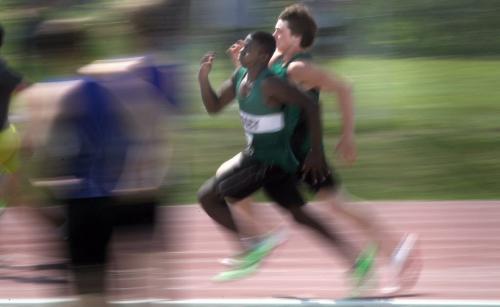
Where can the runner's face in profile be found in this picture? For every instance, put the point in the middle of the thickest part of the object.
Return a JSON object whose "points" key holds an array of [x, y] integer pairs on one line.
{"points": [[282, 35], [249, 54]]}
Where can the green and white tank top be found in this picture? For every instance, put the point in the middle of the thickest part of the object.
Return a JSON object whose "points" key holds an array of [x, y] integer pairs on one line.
{"points": [[266, 128]]}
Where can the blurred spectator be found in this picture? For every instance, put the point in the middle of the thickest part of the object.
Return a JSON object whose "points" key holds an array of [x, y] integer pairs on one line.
{"points": [[100, 143], [10, 142], [85, 146]]}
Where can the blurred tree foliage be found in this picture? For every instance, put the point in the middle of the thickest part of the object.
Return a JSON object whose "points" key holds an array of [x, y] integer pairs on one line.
{"points": [[424, 27], [398, 28]]}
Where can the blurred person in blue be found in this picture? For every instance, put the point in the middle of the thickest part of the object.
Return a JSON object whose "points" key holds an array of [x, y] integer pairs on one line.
{"points": [[84, 156], [89, 140], [146, 164], [265, 102], [140, 187], [295, 32], [132, 156]]}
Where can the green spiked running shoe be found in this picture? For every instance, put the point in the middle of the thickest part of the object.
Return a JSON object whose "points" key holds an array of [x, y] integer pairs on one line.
{"points": [[363, 271], [276, 238], [249, 262], [235, 274]]}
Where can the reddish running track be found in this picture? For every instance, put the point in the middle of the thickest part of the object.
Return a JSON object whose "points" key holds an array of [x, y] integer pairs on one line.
{"points": [[459, 241]]}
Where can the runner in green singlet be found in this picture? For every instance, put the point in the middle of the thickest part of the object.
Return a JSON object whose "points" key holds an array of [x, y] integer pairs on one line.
{"points": [[264, 100], [295, 32]]}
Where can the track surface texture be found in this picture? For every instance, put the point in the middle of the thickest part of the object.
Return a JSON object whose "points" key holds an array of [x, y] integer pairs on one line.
{"points": [[459, 243]]}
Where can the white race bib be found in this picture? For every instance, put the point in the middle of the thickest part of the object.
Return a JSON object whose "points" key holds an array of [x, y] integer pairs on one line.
{"points": [[255, 124]]}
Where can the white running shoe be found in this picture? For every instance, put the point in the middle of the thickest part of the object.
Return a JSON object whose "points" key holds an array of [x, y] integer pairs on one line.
{"points": [[405, 265]]}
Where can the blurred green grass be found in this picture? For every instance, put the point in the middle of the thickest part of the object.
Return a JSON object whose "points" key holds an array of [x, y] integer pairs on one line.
{"points": [[426, 129]]}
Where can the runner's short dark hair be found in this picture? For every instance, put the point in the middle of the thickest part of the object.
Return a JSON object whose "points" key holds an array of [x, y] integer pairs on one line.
{"points": [[301, 23], [265, 40]]}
